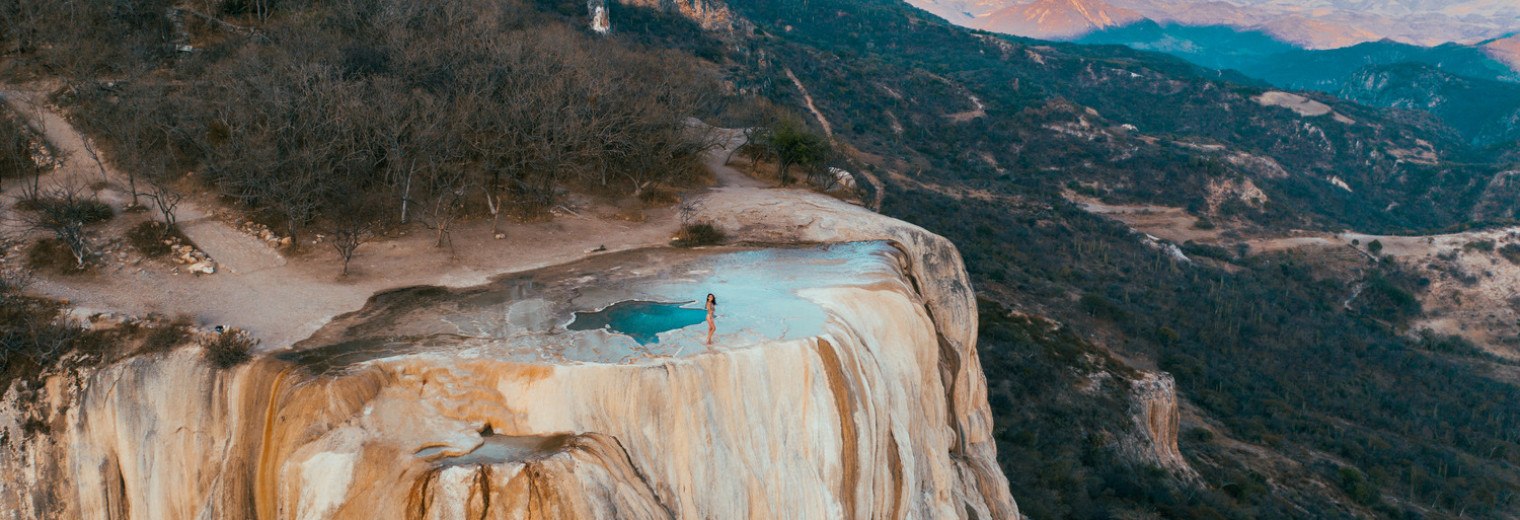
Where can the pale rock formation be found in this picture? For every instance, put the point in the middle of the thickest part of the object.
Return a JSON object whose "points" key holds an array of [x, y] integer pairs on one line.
{"points": [[1153, 407], [846, 387], [597, 10], [712, 15]]}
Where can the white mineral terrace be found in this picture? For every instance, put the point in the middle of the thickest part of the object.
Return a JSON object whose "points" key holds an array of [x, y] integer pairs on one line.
{"points": [[829, 392], [764, 295]]}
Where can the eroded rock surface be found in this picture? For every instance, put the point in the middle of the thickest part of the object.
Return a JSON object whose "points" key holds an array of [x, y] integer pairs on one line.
{"points": [[843, 383]]}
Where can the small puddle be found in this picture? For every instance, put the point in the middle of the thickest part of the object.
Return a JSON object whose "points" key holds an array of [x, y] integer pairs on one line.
{"points": [[641, 320], [496, 449]]}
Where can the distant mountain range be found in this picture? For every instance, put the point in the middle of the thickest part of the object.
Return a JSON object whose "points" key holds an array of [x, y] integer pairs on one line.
{"points": [[1058, 19], [1467, 86], [1310, 24], [1380, 53]]}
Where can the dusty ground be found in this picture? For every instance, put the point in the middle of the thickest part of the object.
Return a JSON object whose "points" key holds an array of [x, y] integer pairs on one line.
{"points": [[281, 300]]}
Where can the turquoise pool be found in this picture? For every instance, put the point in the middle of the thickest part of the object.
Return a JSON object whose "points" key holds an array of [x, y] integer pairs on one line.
{"points": [[641, 320]]}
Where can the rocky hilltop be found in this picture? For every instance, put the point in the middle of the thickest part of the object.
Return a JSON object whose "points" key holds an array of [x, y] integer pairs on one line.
{"points": [[843, 383]]}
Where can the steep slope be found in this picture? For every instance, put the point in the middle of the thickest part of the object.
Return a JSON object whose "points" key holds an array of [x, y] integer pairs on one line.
{"points": [[1056, 19], [1486, 111]]}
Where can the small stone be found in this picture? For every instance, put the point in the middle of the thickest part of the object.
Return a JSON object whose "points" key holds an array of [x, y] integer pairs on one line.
{"points": [[203, 267]]}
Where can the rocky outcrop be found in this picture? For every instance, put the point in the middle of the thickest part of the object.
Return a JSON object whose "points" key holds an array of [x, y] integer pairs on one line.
{"points": [[712, 15], [1153, 407], [848, 389], [597, 10], [936, 272]]}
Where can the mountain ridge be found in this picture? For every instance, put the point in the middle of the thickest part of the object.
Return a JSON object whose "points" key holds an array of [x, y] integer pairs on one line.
{"points": [[1309, 25], [1057, 19]]}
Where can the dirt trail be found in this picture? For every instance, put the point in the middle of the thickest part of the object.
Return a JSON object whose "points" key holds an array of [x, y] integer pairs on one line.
{"points": [[730, 139], [283, 300], [229, 247]]}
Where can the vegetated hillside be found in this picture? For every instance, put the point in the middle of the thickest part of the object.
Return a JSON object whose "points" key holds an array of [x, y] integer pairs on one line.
{"points": [[1337, 71], [1326, 70], [1487, 111], [366, 113], [1130, 125], [1306, 397]]}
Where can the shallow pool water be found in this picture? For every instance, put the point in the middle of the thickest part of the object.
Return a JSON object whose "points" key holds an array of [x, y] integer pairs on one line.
{"points": [[641, 320]]}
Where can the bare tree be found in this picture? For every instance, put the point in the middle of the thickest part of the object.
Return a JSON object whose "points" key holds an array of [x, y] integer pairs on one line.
{"points": [[166, 200], [65, 212], [89, 149], [445, 204]]}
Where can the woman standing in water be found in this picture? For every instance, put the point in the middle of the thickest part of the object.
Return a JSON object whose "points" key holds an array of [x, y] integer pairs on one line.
{"points": [[712, 307]]}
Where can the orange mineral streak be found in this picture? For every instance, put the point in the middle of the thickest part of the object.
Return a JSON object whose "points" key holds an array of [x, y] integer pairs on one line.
{"points": [[850, 455]]}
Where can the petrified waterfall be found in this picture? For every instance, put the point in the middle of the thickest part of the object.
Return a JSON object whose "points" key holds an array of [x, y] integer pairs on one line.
{"points": [[843, 383]]}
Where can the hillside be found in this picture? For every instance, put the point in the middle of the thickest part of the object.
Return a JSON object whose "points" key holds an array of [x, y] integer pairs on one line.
{"points": [[1486, 111], [1271, 352], [1327, 70], [1468, 75], [1108, 238]]}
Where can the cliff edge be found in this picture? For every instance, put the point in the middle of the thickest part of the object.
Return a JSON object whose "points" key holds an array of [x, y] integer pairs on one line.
{"points": [[843, 382]]}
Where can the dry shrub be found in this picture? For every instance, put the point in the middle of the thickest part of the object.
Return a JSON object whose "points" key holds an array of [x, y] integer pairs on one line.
{"points": [[164, 336], [698, 234], [230, 348], [51, 254], [67, 208], [658, 198], [148, 238], [1511, 252]]}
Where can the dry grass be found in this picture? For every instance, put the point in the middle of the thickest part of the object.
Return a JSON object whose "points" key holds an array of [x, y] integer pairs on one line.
{"points": [[52, 255], [698, 234], [148, 238], [658, 198], [166, 336]]}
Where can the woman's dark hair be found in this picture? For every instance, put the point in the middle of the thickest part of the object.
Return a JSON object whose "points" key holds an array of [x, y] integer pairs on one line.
{"points": [[711, 298]]}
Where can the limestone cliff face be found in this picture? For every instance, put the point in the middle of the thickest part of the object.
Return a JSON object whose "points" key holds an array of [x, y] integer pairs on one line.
{"points": [[1153, 407], [858, 396]]}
